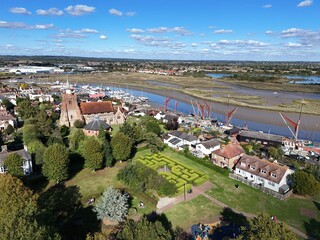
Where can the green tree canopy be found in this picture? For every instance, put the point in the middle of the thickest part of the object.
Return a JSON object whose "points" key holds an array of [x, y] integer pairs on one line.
{"points": [[107, 154], [92, 152], [9, 130], [13, 162], [144, 229], [18, 212], [155, 144], [305, 183], [121, 146], [55, 163], [153, 126], [29, 133], [263, 227], [9, 105], [75, 138], [113, 205], [25, 109], [78, 123]]}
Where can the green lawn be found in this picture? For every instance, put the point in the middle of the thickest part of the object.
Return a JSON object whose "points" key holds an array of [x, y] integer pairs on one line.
{"points": [[199, 209], [251, 200]]}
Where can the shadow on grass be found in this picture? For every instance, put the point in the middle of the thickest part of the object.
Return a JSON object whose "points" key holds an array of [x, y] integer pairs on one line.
{"points": [[232, 217], [312, 228], [76, 164], [62, 209], [317, 204]]}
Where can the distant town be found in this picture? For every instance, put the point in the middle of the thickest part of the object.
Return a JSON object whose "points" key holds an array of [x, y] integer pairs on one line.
{"points": [[80, 133]]}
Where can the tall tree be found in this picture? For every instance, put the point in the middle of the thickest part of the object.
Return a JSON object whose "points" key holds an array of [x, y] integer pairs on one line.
{"points": [[18, 212], [55, 163], [144, 229], [29, 133], [263, 227], [13, 162], [107, 154], [113, 205], [26, 110], [92, 152], [9, 105], [153, 126], [155, 144], [121, 146], [75, 138], [305, 183]]}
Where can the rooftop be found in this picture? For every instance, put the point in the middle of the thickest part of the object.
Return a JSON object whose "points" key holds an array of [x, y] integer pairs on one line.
{"points": [[96, 107]]}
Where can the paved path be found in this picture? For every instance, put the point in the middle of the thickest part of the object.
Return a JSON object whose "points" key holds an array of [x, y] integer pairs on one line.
{"points": [[200, 190], [196, 191]]}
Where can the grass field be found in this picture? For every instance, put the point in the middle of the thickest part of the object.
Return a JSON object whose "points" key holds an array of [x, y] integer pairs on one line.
{"points": [[251, 200], [197, 210]]}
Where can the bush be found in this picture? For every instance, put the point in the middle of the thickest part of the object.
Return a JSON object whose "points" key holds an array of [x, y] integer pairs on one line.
{"points": [[78, 124]]}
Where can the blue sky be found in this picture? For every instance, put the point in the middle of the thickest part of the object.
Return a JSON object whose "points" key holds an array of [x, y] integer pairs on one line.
{"points": [[163, 29]]}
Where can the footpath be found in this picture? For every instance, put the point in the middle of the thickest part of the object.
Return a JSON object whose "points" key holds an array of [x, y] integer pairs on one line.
{"points": [[165, 204]]}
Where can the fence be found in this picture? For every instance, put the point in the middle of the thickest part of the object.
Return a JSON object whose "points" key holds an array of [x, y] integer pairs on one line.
{"points": [[263, 189]]}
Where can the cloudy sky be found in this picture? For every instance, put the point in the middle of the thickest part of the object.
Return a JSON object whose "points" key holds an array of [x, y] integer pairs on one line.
{"points": [[163, 29]]}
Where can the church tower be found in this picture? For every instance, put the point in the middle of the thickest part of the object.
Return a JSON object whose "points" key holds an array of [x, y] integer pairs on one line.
{"points": [[70, 111]]}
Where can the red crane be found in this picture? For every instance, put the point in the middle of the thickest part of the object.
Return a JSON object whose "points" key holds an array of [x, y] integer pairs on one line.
{"points": [[175, 106], [208, 107], [201, 109], [166, 102]]}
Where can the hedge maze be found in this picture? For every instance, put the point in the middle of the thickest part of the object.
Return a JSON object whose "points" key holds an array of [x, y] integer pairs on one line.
{"points": [[174, 171]]}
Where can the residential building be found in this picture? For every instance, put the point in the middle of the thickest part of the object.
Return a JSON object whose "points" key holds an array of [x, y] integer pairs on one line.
{"points": [[227, 155], [207, 147], [27, 162], [105, 110], [179, 140], [6, 119], [93, 127], [265, 139], [264, 173]]}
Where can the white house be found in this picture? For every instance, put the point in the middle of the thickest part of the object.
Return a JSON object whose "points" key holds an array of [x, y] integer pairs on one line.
{"points": [[207, 147], [179, 140], [6, 119], [27, 162], [262, 172]]}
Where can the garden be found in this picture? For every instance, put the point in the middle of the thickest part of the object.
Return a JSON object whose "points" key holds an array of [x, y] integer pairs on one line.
{"points": [[175, 172]]}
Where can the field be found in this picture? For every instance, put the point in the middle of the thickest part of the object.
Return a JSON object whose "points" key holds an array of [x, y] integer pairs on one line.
{"points": [[247, 199], [175, 172]]}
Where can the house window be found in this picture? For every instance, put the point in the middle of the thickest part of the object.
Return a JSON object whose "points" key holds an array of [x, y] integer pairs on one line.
{"points": [[251, 176], [239, 171], [243, 164], [119, 117], [253, 167], [263, 171], [69, 102], [271, 183], [273, 175]]}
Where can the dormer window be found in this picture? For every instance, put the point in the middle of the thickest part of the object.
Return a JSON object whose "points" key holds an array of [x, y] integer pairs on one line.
{"points": [[263, 171], [243, 164], [273, 175], [253, 167]]}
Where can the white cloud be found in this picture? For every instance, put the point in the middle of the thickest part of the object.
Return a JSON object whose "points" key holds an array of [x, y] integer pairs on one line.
{"points": [[179, 30], [79, 10], [267, 6], [20, 10], [194, 44], [87, 30], [250, 43], [4, 24], [305, 3], [50, 12], [269, 32], [135, 30], [103, 37], [130, 14], [42, 26], [292, 32], [115, 12], [69, 35], [222, 31]]}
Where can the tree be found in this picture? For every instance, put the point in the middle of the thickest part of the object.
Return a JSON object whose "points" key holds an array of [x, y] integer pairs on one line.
{"points": [[155, 144], [172, 124], [25, 109], [113, 205], [273, 152], [144, 229], [121, 146], [92, 152], [38, 157], [9, 130], [263, 227], [153, 126], [75, 138], [132, 131], [44, 123], [78, 123], [29, 133], [305, 183], [13, 162], [55, 163], [18, 212], [107, 154], [9, 105]]}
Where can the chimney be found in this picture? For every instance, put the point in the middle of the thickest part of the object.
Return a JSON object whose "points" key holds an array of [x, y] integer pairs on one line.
{"points": [[4, 148]]}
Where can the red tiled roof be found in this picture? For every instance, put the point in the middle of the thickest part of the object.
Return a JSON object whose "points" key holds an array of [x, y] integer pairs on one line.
{"points": [[229, 151], [96, 107]]}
